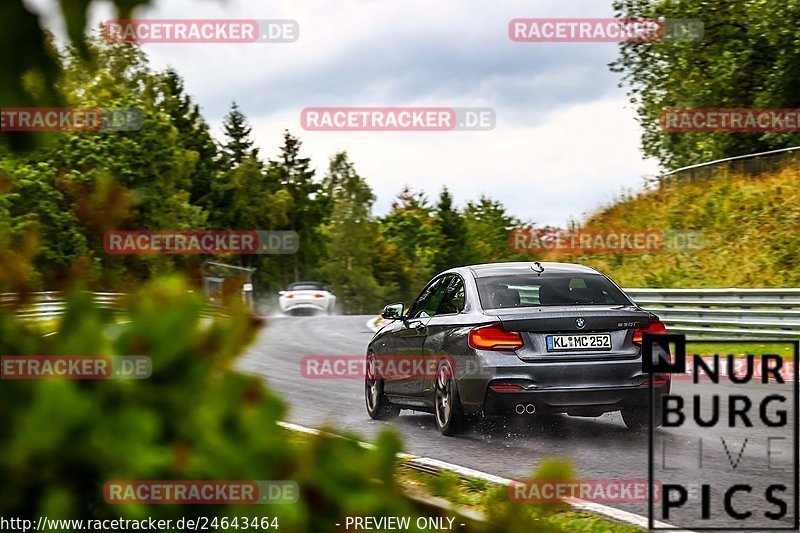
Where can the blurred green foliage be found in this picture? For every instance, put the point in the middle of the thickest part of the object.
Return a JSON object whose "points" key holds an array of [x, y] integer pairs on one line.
{"points": [[29, 79], [62, 440], [195, 418]]}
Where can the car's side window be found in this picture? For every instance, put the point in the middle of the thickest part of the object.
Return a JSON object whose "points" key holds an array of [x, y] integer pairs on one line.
{"points": [[454, 297], [432, 305], [422, 300], [429, 307]]}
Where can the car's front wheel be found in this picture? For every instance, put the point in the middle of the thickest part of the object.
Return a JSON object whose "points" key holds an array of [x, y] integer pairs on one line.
{"points": [[450, 418], [378, 405]]}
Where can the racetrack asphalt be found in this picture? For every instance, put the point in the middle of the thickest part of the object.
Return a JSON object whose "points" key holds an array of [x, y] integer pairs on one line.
{"points": [[600, 448]]}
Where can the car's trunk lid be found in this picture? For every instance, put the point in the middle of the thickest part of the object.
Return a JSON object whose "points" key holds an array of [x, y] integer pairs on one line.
{"points": [[616, 323], [565, 319]]}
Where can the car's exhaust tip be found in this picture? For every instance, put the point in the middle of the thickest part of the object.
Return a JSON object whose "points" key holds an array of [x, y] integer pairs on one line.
{"points": [[522, 409]]}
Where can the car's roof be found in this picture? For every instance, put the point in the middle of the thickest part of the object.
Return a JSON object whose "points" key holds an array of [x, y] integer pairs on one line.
{"points": [[520, 267]]}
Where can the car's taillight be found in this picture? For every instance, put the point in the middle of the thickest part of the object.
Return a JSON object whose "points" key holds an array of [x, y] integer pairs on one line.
{"points": [[494, 337], [319, 295], [290, 296], [654, 327]]}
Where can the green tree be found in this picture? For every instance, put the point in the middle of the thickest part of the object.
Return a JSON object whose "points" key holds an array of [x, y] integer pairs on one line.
{"points": [[194, 136], [238, 143], [350, 237], [449, 225], [88, 182], [239, 178], [488, 227], [749, 57], [409, 226], [393, 272], [307, 209]]}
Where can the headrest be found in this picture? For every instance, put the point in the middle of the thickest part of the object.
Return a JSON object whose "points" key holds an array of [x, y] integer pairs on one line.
{"points": [[505, 297], [587, 295]]}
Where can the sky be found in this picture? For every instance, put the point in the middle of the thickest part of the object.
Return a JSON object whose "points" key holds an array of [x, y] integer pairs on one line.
{"points": [[565, 143]]}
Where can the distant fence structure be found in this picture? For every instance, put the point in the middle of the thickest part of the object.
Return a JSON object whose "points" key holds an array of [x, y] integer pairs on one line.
{"points": [[748, 164]]}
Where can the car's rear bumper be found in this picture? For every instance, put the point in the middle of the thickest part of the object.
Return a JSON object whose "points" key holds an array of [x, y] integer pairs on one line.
{"points": [[586, 401], [304, 307], [600, 384]]}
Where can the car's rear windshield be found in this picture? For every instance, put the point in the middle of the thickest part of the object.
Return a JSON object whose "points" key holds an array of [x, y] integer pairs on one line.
{"points": [[531, 290], [305, 287]]}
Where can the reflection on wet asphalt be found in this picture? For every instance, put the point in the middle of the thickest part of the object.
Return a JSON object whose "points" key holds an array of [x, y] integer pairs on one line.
{"points": [[600, 448]]}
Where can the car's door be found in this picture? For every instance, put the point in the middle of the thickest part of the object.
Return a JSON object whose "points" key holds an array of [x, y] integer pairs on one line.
{"points": [[438, 341], [408, 340]]}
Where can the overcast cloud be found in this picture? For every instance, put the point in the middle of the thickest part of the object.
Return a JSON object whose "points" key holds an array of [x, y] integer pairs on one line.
{"points": [[566, 140]]}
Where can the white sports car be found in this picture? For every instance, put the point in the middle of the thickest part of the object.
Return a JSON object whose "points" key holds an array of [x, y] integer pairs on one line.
{"points": [[306, 298]]}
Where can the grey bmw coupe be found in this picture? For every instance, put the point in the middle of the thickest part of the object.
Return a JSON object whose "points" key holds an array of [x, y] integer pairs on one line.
{"points": [[513, 339]]}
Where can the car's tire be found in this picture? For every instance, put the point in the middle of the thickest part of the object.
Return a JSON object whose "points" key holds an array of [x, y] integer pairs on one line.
{"points": [[637, 418], [447, 408], [378, 405]]}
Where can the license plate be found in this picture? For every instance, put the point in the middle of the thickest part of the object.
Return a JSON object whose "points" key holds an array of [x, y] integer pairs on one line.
{"points": [[557, 343]]}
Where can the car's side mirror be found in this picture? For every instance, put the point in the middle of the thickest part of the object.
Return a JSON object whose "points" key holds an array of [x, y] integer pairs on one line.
{"points": [[392, 312]]}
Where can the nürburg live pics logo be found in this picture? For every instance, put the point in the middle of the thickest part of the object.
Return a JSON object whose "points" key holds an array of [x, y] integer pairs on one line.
{"points": [[727, 456]]}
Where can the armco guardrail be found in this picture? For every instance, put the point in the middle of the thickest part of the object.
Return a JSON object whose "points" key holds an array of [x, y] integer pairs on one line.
{"points": [[706, 313], [47, 305], [725, 313]]}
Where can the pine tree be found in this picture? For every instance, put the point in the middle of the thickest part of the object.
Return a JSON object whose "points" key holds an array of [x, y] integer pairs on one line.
{"points": [[238, 143], [307, 207], [194, 135], [449, 224]]}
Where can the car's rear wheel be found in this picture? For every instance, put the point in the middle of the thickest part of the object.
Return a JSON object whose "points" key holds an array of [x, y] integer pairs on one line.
{"points": [[378, 405], [637, 417], [450, 418]]}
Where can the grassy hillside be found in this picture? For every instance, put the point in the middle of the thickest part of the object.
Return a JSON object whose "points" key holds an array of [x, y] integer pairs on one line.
{"points": [[751, 232]]}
